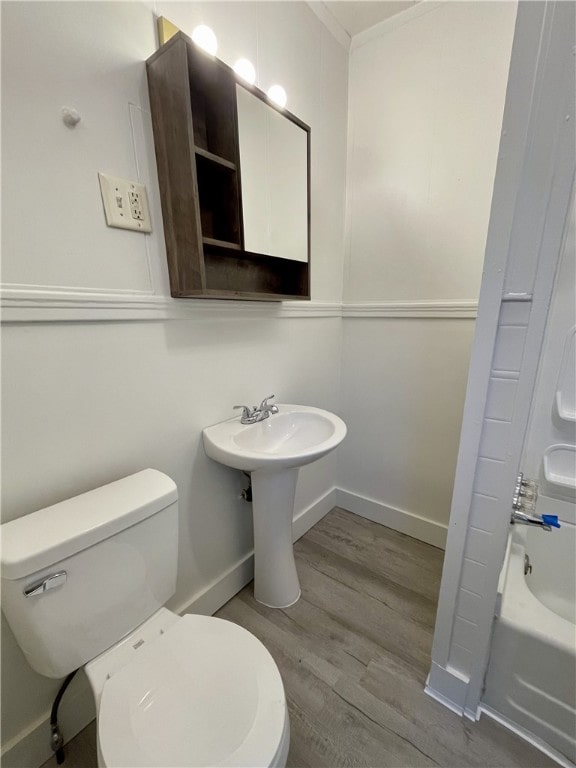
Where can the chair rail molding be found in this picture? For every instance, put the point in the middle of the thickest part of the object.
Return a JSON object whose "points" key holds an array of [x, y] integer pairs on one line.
{"points": [[444, 308], [22, 303], [42, 303]]}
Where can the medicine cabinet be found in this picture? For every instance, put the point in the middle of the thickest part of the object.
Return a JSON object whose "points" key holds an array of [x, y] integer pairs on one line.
{"points": [[234, 175]]}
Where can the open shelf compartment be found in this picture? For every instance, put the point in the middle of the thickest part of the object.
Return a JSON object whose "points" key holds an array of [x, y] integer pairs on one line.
{"points": [[253, 274]]}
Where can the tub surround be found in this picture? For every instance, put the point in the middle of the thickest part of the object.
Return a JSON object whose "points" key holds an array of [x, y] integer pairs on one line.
{"points": [[553, 577], [530, 679], [527, 232]]}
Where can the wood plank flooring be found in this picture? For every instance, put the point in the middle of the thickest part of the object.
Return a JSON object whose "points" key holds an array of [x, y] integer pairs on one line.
{"points": [[354, 654]]}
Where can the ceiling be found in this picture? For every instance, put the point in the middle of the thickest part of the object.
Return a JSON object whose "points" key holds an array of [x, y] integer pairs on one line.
{"points": [[356, 16]]}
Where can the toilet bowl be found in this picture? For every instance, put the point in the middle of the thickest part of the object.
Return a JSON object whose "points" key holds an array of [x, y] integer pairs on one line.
{"points": [[197, 691], [84, 584]]}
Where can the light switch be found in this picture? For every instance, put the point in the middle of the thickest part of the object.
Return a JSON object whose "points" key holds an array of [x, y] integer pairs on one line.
{"points": [[125, 203]]}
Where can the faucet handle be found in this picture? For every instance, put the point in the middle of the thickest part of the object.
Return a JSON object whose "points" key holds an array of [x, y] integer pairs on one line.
{"points": [[265, 407], [246, 411]]}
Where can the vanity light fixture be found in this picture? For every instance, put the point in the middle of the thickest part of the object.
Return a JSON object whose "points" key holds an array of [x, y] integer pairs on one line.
{"points": [[205, 38], [277, 94], [245, 70]]}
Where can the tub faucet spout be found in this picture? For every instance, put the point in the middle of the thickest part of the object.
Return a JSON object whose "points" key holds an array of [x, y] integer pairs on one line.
{"points": [[545, 522]]}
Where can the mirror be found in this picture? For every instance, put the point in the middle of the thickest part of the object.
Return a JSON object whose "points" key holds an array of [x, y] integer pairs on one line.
{"points": [[274, 179]]}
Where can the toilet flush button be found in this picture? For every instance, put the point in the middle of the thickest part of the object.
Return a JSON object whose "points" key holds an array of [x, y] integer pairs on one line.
{"points": [[48, 582]]}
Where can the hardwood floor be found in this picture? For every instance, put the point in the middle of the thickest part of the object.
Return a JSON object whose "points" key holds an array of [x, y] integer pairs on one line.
{"points": [[354, 654]]}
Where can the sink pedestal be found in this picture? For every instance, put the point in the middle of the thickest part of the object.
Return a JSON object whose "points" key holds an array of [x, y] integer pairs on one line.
{"points": [[275, 579], [272, 450]]}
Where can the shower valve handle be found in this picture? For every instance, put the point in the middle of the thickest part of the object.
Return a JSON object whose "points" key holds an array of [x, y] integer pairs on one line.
{"points": [[525, 495]]}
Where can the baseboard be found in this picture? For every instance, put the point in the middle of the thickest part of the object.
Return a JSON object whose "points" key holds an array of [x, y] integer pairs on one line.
{"points": [[449, 688], [31, 747], [308, 517], [399, 520], [222, 589], [441, 699], [528, 736]]}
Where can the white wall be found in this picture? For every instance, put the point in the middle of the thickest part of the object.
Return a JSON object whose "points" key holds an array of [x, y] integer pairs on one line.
{"points": [[85, 403], [426, 103], [426, 94], [403, 384]]}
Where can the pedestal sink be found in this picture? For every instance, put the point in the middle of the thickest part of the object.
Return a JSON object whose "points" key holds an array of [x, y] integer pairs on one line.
{"points": [[273, 450]]}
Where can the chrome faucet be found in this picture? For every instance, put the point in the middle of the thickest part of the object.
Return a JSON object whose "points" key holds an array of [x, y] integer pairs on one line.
{"points": [[257, 413]]}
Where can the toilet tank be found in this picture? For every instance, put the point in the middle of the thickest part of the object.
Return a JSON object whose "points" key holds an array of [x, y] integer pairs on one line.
{"points": [[94, 567]]}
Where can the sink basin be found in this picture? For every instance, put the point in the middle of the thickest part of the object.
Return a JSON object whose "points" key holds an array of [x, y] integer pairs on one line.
{"points": [[272, 451], [294, 436]]}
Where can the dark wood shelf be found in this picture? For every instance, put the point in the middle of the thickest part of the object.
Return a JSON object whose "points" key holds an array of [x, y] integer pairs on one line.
{"points": [[250, 296], [215, 158], [221, 244]]}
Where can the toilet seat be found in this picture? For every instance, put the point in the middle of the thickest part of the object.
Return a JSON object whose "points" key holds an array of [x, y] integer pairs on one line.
{"points": [[206, 693]]}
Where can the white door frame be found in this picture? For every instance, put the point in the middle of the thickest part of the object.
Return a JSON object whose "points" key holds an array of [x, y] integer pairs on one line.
{"points": [[534, 178]]}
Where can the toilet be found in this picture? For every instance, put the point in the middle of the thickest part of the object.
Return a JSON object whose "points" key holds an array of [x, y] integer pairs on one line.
{"points": [[84, 584]]}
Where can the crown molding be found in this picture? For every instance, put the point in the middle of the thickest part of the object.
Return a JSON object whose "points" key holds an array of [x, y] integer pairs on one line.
{"points": [[394, 22], [331, 23]]}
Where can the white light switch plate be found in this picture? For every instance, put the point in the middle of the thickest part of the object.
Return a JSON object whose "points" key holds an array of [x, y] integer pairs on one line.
{"points": [[125, 203]]}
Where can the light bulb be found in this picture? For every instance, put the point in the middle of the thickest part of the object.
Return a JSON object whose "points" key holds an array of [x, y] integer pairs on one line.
{"points": [[277, 94], [245, 70], [205, 38]]}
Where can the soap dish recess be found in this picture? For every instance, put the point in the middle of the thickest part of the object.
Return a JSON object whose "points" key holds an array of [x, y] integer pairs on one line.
{"points": [[560, 466]]}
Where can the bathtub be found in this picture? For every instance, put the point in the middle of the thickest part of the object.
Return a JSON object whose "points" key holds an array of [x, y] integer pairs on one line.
{"points": [[531, 679]]}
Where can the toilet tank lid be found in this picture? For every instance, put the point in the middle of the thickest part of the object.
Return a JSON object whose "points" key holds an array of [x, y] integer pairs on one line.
{"points": [[42, 538]]}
